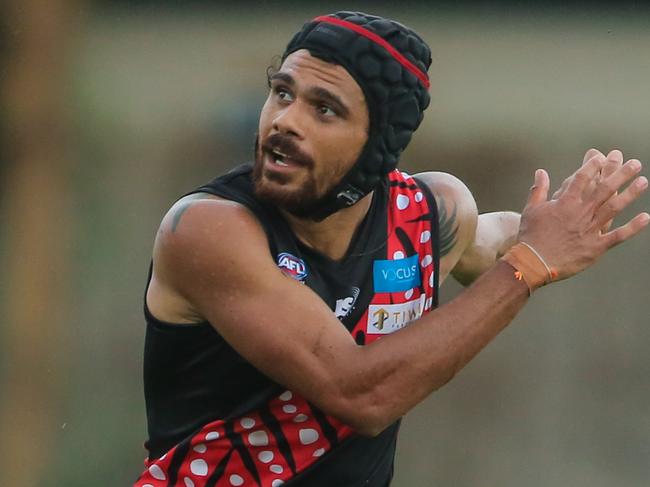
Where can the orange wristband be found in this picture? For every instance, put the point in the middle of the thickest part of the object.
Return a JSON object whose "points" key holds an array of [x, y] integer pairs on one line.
{"points": [[530, 266]]}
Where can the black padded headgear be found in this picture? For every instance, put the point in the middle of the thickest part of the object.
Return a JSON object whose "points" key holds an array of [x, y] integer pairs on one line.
{"points": [[389, 62]]}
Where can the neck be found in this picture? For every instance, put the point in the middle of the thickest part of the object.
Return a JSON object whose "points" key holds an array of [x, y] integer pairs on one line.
{"points": [[333, 235]]}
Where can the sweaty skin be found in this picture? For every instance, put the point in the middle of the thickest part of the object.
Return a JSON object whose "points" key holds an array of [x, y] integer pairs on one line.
{"points": [[212, 262]]}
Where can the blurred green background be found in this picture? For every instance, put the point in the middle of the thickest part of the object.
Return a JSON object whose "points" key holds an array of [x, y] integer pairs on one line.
{"points": [[111, 110]]}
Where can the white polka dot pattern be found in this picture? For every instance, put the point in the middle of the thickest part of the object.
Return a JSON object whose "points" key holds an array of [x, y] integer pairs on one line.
{"points": [[308, 436], [265, 456], [402, 201], [398, 254], [258, 438], [236, 480], [247, 423], [199, 467], [157, 473], [200, 448]]}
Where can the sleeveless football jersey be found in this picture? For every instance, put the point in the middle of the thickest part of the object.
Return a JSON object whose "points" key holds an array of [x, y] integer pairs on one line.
{"points": [[215, 420]]}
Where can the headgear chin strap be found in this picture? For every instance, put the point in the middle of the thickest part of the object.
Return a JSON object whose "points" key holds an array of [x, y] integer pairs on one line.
{"points": [[389, 62]]}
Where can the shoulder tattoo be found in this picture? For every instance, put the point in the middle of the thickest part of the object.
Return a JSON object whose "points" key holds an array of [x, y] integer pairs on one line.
{"points": [[182, 207], [447, 227]]}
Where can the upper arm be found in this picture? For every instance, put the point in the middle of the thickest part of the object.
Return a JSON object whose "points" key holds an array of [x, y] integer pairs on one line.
{"points": [[495, 234], [469, 243], [217, 260], [457, 217]]}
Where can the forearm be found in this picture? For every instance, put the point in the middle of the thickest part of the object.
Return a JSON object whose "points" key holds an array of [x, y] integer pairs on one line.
{"points": [[495, 234], [399, 371]]}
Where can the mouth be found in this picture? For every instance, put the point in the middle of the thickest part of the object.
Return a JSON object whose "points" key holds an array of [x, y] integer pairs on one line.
{"points": [[279, 158], [278, 161]]}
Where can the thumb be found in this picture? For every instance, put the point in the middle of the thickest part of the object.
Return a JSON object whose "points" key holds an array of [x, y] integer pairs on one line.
{"points": [[539, 191]]}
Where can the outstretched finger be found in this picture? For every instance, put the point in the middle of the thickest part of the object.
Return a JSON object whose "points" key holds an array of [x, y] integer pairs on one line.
{"points": [[591, 153], [539, 191], [565, 184], [613, 163], [609, 186], [585, 175], [617, 203], [627, 231]]}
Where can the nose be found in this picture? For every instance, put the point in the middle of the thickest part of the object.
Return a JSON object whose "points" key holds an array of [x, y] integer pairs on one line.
{"points": [[287, 120]]}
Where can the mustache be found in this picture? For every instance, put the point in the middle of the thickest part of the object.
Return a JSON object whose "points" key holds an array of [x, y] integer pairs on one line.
{"points": [[287, 146]]}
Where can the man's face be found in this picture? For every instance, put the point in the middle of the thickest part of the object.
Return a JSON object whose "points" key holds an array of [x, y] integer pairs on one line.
{"points": [[312, 129]]}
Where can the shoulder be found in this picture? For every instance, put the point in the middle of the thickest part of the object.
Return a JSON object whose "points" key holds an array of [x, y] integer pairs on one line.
{"points": [[203, 240], [208, 226], [449, 190], [203, 212]]}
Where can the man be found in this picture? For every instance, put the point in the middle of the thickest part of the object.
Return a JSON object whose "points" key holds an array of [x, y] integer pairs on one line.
{"points": [[278, 351]]}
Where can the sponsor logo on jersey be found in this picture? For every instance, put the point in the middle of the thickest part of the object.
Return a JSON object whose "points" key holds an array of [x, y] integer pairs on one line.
{"points": [[387, 318], [391, 276], [292, 266], [345, 305]]}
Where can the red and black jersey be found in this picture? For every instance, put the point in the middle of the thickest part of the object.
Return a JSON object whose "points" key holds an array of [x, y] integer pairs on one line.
{"points": [[215, 420]]}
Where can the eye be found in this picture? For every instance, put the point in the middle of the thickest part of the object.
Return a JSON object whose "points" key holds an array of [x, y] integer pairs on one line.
{"points": [[326, 111], [283, 94]]}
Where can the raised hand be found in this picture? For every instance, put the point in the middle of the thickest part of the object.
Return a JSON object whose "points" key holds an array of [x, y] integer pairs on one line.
{"points": [[572, 230], [614, 161]]}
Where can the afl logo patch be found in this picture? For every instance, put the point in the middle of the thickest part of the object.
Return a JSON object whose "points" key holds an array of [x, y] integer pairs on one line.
{"points": [[292, 266]]}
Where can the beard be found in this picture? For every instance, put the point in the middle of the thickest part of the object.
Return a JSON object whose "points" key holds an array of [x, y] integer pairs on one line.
{"points": [[271, 187]]}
